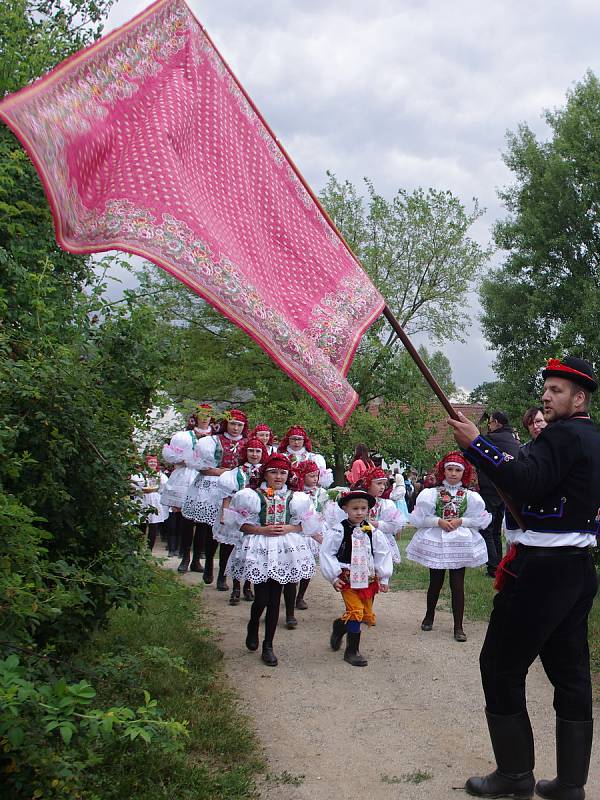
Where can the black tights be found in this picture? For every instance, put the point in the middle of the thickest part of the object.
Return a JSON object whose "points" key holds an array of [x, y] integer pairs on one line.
{"points": [[302, 587], [267, 595], [225, 550], [457, 590], [196, 532], [289, 596]]}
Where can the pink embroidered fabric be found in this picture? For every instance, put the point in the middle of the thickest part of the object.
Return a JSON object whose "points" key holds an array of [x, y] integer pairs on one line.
{"points": [[147, 143]]}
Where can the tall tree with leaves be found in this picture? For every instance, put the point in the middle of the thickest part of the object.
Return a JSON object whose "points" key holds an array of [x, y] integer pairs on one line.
{"points": [[543, 300]]}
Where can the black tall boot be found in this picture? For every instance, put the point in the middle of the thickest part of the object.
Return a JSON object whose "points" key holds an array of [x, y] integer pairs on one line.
{"points": [[573, 749], [512, 742], [337, 634], [351, 654]]}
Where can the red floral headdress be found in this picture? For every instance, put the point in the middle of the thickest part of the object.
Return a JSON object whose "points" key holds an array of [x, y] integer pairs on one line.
{"points": [[236, 414], [263, 427], [276, 461], [301, 470], [256, 443], [454, 457], [295, 430], [373, 474], [205, 409]]}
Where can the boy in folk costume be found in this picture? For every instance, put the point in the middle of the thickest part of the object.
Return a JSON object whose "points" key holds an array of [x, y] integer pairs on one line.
{"points": [[383, 515], [298, 448], [448, 518], [214, 455], [265, 434], [246, 475], [273, 552], [307, 480], [355, 558], [179, 453]]}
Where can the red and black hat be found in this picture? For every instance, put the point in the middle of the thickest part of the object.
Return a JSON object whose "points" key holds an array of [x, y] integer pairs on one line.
{"points": [[573, 369], [356, 494]]}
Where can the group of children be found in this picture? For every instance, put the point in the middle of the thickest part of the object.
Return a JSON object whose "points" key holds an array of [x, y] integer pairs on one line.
{"points": [[272, 514]]}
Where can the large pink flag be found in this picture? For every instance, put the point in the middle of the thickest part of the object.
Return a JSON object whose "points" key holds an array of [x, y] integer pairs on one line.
{"points": [[147, 143]]}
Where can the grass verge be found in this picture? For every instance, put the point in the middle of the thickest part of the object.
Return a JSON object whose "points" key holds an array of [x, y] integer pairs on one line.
{"points": [[479, 595], [168, 651]]}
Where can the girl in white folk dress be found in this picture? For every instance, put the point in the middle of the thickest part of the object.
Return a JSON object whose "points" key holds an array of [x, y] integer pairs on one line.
{"points": [[298, 448], [246, 475], [148, 486], [179, 454], [307, 480], [448, 518], [214, 455], [384, 515], [273, 552]]}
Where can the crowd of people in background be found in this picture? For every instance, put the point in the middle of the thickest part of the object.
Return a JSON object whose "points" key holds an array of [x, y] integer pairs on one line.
{"points": [[267, 506]]}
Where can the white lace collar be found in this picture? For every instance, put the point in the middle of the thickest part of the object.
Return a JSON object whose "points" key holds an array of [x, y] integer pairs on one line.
{"points": [[452, 488], [232, 438]]}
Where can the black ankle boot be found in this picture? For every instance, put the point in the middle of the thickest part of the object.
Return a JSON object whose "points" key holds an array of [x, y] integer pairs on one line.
{"points": [[252, 635], [512, 742], [351, 654], [208, 572], [337, 634], [268, 656], [234, 598], [196, 566], [573, 750], [185, 562], [222, 584], [247, 591]]}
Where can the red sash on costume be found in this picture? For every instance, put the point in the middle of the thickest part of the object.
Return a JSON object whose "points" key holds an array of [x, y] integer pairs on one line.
{"points": [[365, 594]]}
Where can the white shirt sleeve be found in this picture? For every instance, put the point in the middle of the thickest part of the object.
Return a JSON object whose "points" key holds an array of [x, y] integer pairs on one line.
{"points": [[423, 515], [332, 539], [227, 483], [244, 508], [476, 517], [325, 474], [382, 557], [391, 519], [303, 513], [204, 454], [178, 449]]}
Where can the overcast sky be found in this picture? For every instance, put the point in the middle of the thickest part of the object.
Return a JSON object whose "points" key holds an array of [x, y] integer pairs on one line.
{"points": [[407, 92]]}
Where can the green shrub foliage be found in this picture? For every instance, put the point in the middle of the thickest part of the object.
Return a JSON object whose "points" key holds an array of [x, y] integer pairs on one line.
{"points": [[74, 368]]}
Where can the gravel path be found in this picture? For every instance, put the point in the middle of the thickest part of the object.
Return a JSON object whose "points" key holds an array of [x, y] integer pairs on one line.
{"points": [[410, 725]]}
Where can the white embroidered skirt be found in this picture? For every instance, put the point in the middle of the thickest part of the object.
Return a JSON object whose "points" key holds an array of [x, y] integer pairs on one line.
{"points": [[436, 549], [285, 559], [203, 501]]}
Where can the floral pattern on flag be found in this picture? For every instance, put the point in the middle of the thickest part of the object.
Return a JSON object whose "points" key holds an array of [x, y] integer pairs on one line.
{"points": [[146, 143]]}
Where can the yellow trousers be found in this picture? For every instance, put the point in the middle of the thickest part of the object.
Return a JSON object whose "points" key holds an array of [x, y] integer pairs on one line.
{"points": [[357, 608]]}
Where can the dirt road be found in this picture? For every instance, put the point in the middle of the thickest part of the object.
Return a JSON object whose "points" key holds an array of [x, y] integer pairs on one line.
{"points": [[410, 725]]}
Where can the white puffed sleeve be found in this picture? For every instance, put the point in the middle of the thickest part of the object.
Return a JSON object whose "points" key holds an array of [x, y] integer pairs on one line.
{"points": [[476, 517], [204, 454], [325, 474], [244, 507], [398, 492], [302, 513], [382, 557], [332, 539], [423, 515], [227, 483], [390, 519], [179, 448]]}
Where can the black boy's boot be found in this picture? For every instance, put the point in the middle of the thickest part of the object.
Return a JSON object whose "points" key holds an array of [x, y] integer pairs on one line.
{"points": [[351, 654], [512, 742], [268, 656], [337, 634], [573, 750]]}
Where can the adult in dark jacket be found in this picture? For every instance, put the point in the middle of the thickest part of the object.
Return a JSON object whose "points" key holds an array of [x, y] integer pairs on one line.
{"points": [[546, 583], [503, 437]]}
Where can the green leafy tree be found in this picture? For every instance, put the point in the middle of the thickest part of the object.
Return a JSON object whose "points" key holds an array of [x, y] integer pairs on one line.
{"points": [[543, 300]]}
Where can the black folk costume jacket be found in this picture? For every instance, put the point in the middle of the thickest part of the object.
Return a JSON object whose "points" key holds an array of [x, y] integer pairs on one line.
{"points": [[556, 485], [503, 439]]}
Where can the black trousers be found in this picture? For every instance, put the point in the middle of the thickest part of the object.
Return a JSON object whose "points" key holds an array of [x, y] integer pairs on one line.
{"points": [[542, 610], [492, 536]]}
